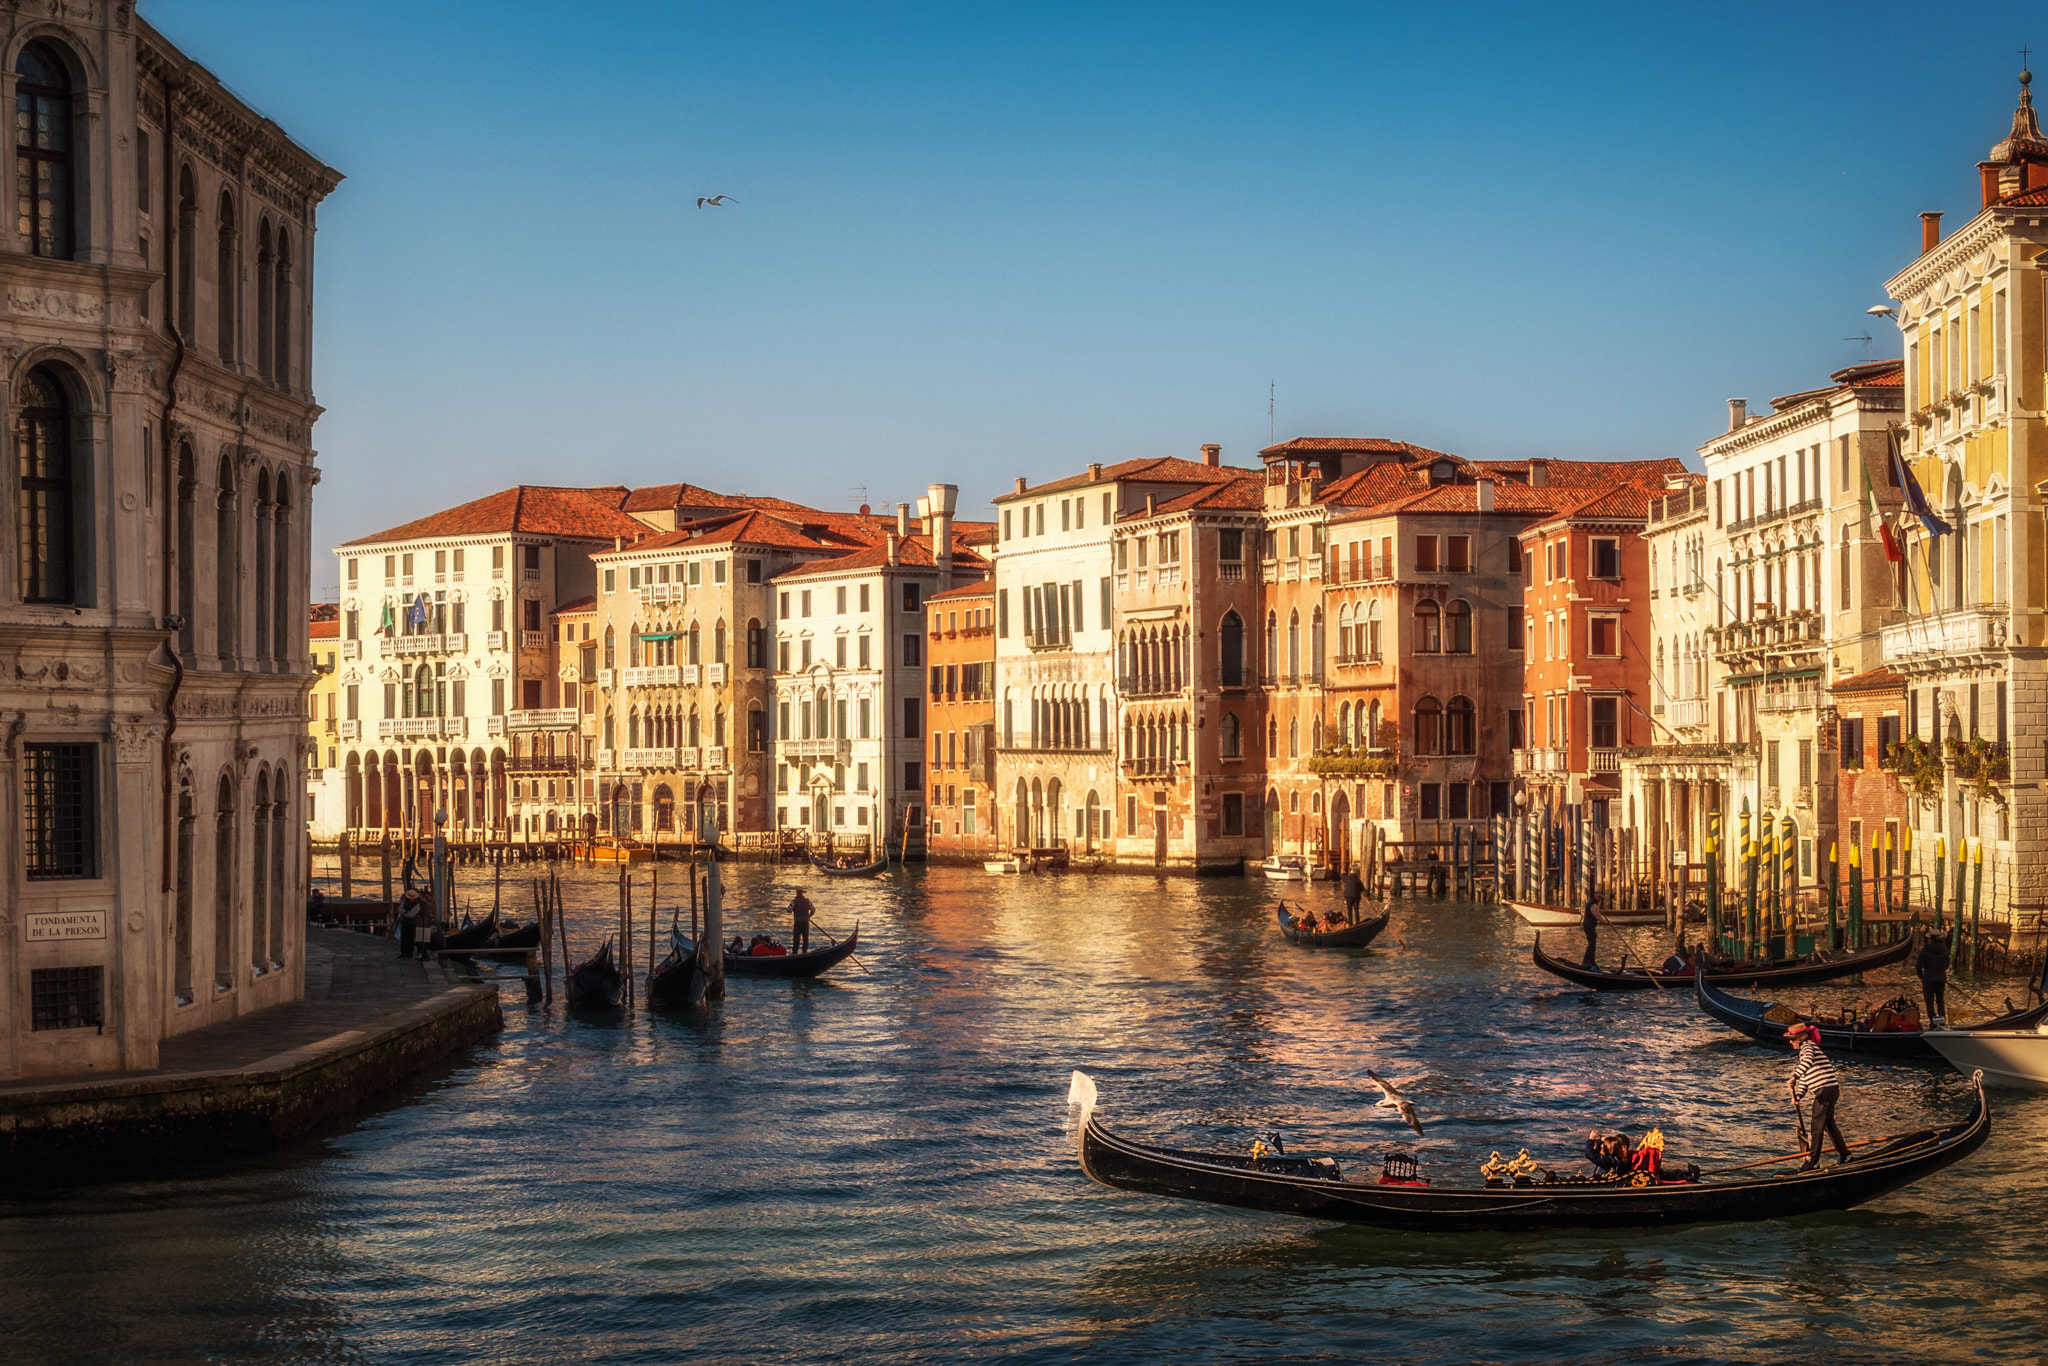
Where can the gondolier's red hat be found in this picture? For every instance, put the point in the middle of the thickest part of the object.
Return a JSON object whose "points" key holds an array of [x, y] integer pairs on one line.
{"points": [[1801, 1029]]}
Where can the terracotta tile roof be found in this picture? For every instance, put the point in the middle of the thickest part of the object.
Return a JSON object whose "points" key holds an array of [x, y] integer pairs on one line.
{"points": [[1246, 493], [2026, 199], [741, 528], [1882, 373], [531, 509], [324, 630], [324, 611], [914, 553], [1165, 469], [983, 589], [1364, 445], [662, 497], [587, 604], [1874, 680]]}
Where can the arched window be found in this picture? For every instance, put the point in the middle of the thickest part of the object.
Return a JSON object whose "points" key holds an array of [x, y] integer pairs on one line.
{"points": [[1230, 639], [1294, 737], [692, 727], [226, 870], [265, 264], [1372, 727], [664, 807], [1345, 735], [1294, 644], [1344, 655], [227, 552], [45, 521], [693, 638], [610, 729], [42, 150], [1429, 735], [423, 691], [1428, 628], [610, 647], [1460, 727], [1272, 738], [263, 575], [259, 882], [226, 333], [718, 642], [281, 313], [718, 726], [757, 645], [283, 646], [634, 657], [1372, 630], [188, 224], [1315, 643], [1271, 661], [1458, 627], [188, 551], [1230, 737]]}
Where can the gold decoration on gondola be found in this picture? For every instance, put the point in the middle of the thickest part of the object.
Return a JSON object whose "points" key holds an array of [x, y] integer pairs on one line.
{"points": [[1523, 1165], [1493, 1169]]}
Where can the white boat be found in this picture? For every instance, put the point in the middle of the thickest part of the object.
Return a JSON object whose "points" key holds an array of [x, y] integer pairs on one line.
{"points": [[2008, 1057], [1285, 868], [1565, 918], [1003, 865]]}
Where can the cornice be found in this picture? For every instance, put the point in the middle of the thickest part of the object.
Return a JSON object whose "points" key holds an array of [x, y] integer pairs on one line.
{"points": [[1975, 237], [202, 98]]}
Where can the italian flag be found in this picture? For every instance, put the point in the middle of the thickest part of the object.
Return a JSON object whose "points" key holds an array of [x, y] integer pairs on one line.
{"points": [[1891, 542]]}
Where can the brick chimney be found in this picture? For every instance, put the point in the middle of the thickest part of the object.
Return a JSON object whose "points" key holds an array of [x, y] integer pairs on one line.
{"points": [[1484, 487], [1738, 413], [1094, 471], [1539, 472], [942, 498], [1930, 232], [1212, 455], [1020, 483]]}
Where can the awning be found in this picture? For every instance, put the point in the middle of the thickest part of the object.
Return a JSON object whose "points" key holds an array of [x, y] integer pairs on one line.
{"points": [[1814, 672], [668, 636]]}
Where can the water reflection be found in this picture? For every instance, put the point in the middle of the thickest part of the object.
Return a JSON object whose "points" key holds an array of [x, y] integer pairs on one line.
{"points": [[872, 1165]]}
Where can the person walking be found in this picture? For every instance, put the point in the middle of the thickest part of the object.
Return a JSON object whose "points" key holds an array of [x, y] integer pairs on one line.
{"points": [[800, 909], [1931, 963], [1589, 925], [1354, 892], [1815, 1080]]}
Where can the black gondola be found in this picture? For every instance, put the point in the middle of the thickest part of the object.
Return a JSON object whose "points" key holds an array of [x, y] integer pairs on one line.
{"points": [[786, 964], [1350, 937], [880, 865], [670, 982], [1751, 1018], [595, 983], [1786, 972], [1293, 1185], [525, 937], [474, 936]]}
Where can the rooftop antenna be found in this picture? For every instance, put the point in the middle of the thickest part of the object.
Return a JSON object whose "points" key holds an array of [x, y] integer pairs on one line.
{"points": [[859, 494], [1272, 436], [1865, 338]]}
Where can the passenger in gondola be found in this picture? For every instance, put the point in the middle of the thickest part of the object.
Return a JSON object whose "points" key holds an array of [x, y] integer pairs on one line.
{"points": [[1609, 1151], [1306, 922], [800, 909], [1680, 962], [739, 945]]}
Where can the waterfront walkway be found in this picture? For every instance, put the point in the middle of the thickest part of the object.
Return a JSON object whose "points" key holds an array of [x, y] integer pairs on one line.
{"points": [[369, 1019]]}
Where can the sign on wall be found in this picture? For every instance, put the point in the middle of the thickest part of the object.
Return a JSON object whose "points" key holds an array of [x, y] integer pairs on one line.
{"points": [[44, 926]]}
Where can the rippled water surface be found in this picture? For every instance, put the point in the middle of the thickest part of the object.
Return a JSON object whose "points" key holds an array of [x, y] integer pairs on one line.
{"points": [[873, 1166]]}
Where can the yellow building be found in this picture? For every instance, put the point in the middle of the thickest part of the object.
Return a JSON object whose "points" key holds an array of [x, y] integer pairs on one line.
{"points": [[1970, 646], [324, 632]]}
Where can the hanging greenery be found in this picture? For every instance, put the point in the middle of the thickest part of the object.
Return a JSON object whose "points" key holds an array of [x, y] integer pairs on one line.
{"points": [[1918, 765], [1983, 767]]}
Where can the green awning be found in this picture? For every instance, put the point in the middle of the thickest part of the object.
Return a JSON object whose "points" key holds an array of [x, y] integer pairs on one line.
{"points": [[1794, 673], [669, 636]]}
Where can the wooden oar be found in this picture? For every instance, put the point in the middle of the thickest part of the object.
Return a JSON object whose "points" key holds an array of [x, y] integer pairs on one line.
{"points": [[835, 944], [1789, 1157]]}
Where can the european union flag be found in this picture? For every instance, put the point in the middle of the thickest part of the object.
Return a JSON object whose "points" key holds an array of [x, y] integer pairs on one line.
{"points": [[1916, 501]]}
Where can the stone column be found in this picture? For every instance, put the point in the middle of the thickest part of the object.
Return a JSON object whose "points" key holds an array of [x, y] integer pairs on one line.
{"points": [[135, 982]]}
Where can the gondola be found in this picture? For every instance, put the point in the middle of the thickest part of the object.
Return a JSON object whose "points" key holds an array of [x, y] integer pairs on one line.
{"points": [[1350, 937], [880, 865], [1786, 972], [474, 936], [670, 982], [786, 964], [595, 983], [1315, 1188], [1752, 1018], [525, 937]]}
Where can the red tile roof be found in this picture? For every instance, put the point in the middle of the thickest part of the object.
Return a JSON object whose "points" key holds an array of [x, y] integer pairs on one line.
{"points": [[324, 611], [1246, 493], [1884, 373], [913, 553], [1365, 445], [586, 604], [1873, 680], [1166, 469], [742, 528], [328, 629], [2026, 199], [530, 509], [983, 589]]}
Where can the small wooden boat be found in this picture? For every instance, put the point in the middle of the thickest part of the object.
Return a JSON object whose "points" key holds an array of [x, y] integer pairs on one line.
{"points": [[1347, 937], [1785, 972], [670, 982], [1316, 1188], [474, 936], [1766, 1022], [1003, 865], [595, 983], [1565, 918], [525, 937], [2004, 1057], [786, 964], [880, 865], [1285, 868]]}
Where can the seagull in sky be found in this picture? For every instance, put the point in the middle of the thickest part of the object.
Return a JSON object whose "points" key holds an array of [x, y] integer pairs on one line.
{"points": [[1391, 1096], [712, 200]]}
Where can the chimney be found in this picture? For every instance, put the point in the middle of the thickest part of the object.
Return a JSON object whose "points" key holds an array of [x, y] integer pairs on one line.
{"points": [[1930, 232], [1987, 172], [1485, 490], [890, 543], [902, 524], [1148, 505], [618, 542], [1020, 483], [1738, 413], [1539, 472], [1094, 471], [1212, 455], [942, 499]]}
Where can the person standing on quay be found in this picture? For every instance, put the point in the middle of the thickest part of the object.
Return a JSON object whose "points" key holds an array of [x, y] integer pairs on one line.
{"points": [[1814, 1078]]}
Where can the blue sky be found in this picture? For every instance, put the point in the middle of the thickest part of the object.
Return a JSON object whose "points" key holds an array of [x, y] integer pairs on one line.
{"points": [[971, 242]]}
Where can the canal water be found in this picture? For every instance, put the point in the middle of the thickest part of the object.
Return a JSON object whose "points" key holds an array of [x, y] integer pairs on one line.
{"points": [[874, 1167]]}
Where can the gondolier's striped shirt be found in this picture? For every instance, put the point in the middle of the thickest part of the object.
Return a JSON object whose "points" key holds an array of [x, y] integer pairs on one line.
{"points": [[1812, 1072]]}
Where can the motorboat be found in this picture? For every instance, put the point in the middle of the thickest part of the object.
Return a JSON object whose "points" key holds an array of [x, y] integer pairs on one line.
{"points": [[2016, 1058]]}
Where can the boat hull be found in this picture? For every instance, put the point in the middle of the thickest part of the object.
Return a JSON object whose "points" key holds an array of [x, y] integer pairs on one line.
{"points": [[1796, 973], [789, 964], [2014, 1058], [1350, 937], [1565, 918], [1223, 1179], [880, 865], [1747, 1017]]}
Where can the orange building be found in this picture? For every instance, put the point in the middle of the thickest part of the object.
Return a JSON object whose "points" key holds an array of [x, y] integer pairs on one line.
{"points": [[1586, 617], [960, 648]]}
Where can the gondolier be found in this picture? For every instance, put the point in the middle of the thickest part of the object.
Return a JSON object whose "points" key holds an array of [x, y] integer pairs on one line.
{"points": [[1354, 892], [1931, 964], [1589, 925], [1814, 1079], [800, 909]]}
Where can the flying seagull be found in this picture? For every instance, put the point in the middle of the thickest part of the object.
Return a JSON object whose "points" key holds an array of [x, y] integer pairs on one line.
{"points": [[1391, 1096], [714, 200]]}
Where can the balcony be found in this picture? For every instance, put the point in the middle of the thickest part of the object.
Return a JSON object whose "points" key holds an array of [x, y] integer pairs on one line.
{"points": [[494, 640], [607, 679], [543, 718], [1605, 760], [714, 674], [1542, 761], [662, 759], [1150, 766], [654, 593], [533, 640], [541, 763], [649, 676], [691, 673], [1964, 630], [351, 730], [607, 759], [1805, 700], [494, 725], [413, 645], [529, 576], [423, 728], [714, 759], [817, 749], [688, 758], [351, 649], [1687, 711]]}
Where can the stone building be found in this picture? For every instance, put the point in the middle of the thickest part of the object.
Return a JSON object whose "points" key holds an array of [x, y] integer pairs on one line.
{"points": [[323, 725], [153, 600], [1870, 805], [960, 654], [446, 655]]}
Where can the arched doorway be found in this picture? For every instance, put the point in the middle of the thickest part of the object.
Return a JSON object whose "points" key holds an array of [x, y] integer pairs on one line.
{"points": [[664, 809], [1020, 828]]}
